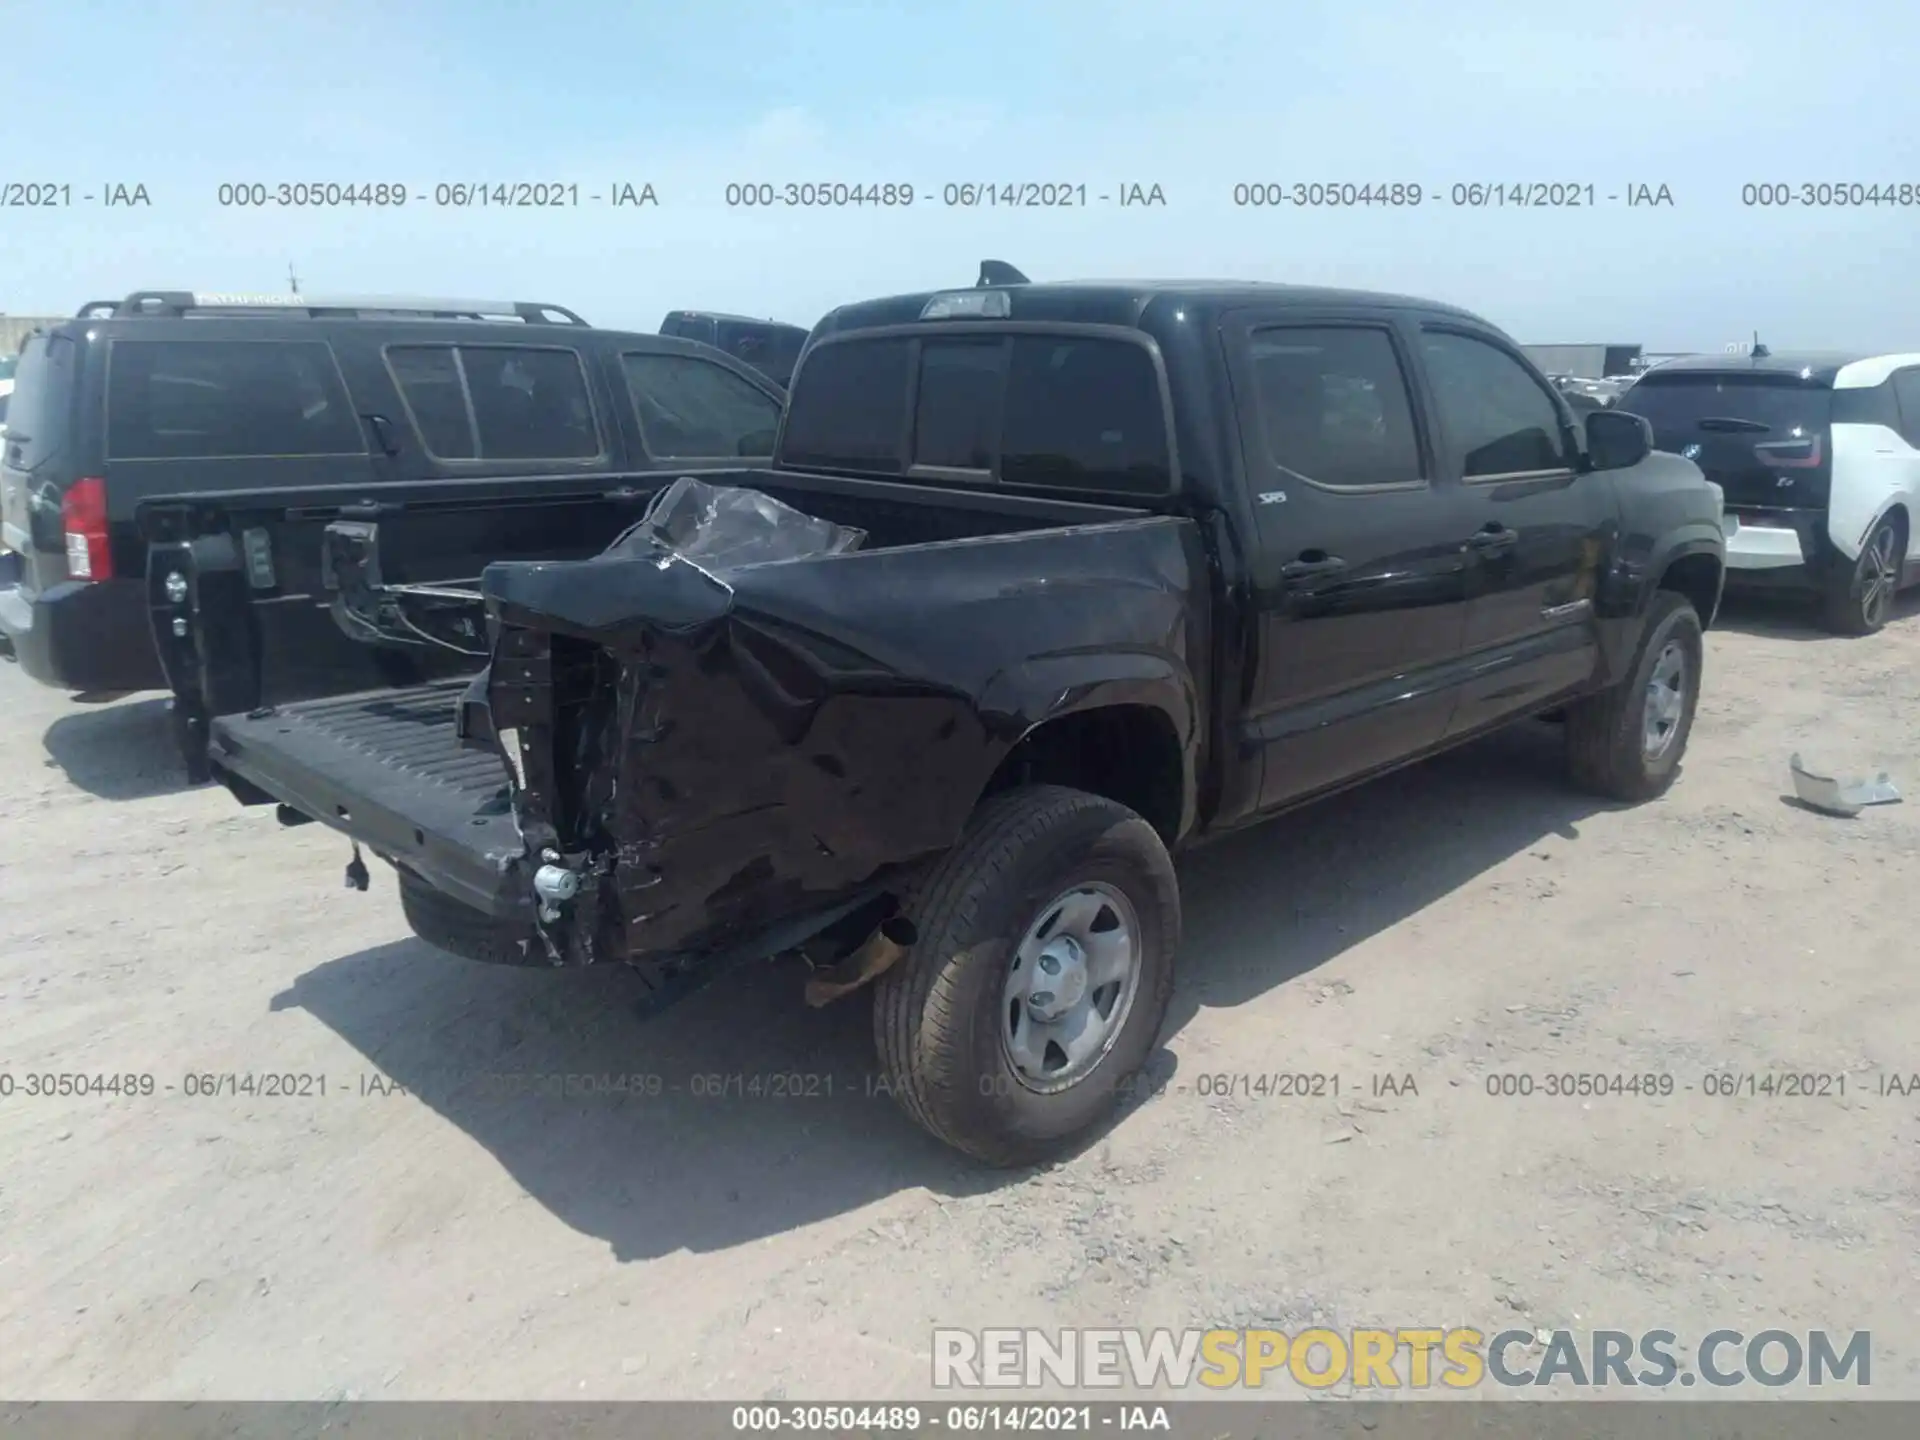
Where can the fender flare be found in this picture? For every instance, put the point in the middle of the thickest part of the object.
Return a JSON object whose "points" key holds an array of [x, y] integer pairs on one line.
{"points": [[1851, 547], [1635, 583], [1023, 698]]}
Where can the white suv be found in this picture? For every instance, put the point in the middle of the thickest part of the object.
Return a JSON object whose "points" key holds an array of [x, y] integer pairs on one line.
{"points": [[1819, 456]]}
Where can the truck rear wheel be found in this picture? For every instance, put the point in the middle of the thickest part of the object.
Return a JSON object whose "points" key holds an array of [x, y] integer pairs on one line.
{"points": [[1040, 977], [1625, 743]]}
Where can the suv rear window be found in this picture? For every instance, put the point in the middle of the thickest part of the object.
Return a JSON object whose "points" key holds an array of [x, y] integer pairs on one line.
{"points": [[689, 327], [214, 399], [40, 417], [1054, 412], [1675, 403], [497, 402]]}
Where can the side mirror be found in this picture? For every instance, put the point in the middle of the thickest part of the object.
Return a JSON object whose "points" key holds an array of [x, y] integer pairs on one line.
{"points": [[1617, 440]]}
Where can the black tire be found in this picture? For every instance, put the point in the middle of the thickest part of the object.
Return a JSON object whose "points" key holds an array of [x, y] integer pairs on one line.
{"points": [[938, 1012], [1851, 602], [1607, 746], [447, 924]]}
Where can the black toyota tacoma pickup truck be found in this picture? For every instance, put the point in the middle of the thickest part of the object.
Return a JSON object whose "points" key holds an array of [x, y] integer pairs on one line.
{"points": [[1073, 576]]}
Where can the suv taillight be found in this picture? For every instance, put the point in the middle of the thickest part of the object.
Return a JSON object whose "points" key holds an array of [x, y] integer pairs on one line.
{"points": [[1802, 454], [83, 511]]}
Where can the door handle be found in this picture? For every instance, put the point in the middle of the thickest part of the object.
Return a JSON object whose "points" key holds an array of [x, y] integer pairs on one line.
{"points": [[382, 431], [1306, 568], [1493, 537]]}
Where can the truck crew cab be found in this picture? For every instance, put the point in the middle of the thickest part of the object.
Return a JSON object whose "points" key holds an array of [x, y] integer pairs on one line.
{"points": [[1114, 566]]}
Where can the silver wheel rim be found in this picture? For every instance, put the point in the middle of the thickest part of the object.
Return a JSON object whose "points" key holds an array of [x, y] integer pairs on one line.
{"points": [[1879, 576], [1070, 986], [1666, 700]]}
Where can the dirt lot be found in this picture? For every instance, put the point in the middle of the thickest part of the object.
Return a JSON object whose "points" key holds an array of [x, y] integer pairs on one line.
{"points": [[442, 1239]]}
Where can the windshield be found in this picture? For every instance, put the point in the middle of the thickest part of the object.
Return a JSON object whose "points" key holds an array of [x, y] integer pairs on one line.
{"points": [[1676, 405]]}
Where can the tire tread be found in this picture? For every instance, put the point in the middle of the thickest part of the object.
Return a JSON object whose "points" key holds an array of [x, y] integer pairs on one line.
{"points": [[920, 1027], [1603, 746]]}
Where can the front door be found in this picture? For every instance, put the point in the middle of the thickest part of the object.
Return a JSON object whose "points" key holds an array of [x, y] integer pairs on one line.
{"points": [[1536, 532], [1358, 570]]}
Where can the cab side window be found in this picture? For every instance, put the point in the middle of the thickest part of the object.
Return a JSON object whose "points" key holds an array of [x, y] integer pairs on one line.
{"points": [[1334, 407], [1500, 419]]}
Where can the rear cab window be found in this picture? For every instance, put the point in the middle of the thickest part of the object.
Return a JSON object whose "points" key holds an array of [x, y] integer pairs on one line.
{"points": [[770, 349], [485, 402], [1065, 412], [689, 327]]}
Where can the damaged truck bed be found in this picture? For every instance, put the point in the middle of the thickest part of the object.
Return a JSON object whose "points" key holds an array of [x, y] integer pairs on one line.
{"points": [[624, 691], [1045, 583]]}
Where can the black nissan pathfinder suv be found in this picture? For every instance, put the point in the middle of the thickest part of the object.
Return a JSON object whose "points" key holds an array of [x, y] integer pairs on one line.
{"points": [[1046, 582], [252, 421]]}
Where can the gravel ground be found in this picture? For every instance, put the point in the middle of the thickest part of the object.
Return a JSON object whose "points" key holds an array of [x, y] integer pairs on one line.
{"points": [[417, 1233]]}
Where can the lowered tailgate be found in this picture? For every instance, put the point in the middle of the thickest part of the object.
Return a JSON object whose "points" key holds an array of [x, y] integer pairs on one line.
{"points": [[387, 768]]}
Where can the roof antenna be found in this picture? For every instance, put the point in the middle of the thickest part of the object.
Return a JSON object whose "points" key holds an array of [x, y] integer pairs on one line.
{"points": [[1759, 351], [998, 272]]}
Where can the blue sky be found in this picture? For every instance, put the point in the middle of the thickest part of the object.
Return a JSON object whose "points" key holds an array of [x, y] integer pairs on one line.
{"points": [[1702, 97]]}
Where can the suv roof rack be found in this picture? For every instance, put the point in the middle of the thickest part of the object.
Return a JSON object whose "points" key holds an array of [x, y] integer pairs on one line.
{"points": [[95, 309], [175, 303]]}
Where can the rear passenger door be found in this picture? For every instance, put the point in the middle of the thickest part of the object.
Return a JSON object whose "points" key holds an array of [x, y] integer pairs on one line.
{"points": [[524, 442], [1537, 530], [1358, 569], [227, 414], [480, 409]]}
